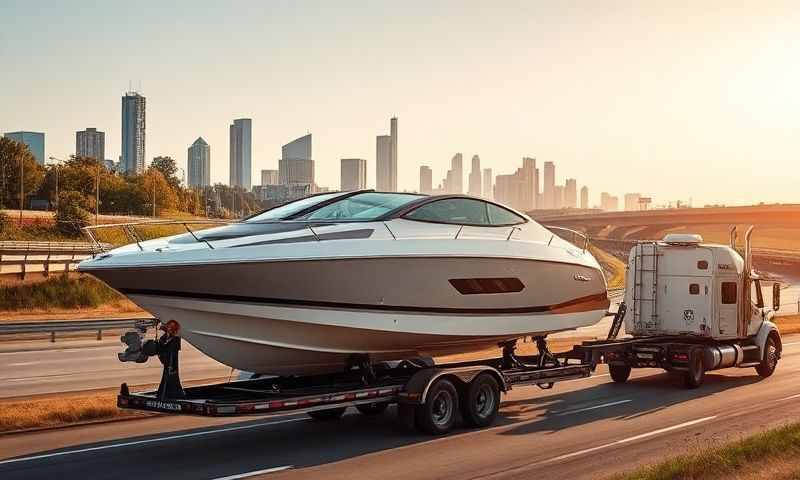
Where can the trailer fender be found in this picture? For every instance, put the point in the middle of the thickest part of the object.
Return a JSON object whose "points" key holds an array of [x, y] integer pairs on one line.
{"points": [[416, 389], [767, 328]]}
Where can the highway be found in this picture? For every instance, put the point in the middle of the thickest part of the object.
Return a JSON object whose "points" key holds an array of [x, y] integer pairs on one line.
{"points": [[588, 428], [38, 367]]}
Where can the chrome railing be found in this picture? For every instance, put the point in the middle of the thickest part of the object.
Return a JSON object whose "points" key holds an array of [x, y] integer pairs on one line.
{"points": [[583, 244], [133, 235]]}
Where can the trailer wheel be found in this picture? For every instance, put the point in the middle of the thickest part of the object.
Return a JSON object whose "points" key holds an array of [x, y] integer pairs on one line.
{"points": [[438, 414], [697, 369], [480, 401], [330, 414], [372, 408], [770, 360], [619, 373]]}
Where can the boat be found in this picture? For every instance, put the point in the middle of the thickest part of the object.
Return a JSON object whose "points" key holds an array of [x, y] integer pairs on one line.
{"points": [[310, 285]]}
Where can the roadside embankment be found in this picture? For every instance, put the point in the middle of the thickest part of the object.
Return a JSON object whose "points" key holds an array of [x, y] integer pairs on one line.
{"points": [[773, 454], [60, 294]]}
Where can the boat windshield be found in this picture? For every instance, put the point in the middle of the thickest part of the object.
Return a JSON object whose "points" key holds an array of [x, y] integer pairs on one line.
{"points": [[362, 206], [289, 209]]}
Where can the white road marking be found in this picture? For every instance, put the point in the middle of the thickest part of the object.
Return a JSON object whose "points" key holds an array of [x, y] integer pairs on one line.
{"points": [[594, 407], [790, 397], [151, 440], [791, 343], [586, 378], [625, 440], [257, 472], [22, 364]]}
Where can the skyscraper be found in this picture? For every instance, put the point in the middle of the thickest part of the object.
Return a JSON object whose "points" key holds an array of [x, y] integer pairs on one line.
{"points": [[34, 141], [584, 197], [454, 180], [571, 193], [91, 143], [353, 174], [531, 179], [475, 179], [508, 189], [425, 180], [386, 159], [487, 184], [296, 165], [241, 141], [383, 155], [549, 185], [270, 177], [609, 203], [199, 164], [133, 128], [558, 197], [632, 202]]}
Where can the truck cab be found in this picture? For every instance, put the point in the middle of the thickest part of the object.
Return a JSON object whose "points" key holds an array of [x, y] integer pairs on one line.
{"points": [[683, 286]]}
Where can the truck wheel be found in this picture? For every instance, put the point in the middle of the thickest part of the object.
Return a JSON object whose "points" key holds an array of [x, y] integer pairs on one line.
{"points": [[480, 401], [770, 360], [372, 408], [330, 414], [619, 373], [697, 369], [438, 414]]}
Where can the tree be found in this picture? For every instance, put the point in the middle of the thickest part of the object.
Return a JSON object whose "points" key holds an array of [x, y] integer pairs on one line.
{"points": [[169, 169], [72, 214], [153, 182], [11, 154]]}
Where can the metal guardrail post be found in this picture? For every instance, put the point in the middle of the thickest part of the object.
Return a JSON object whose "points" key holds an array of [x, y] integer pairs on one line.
{"points": [[53, 337]]}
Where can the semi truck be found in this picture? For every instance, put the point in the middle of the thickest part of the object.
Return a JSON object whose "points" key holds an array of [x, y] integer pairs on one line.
{"points": [[689, 307]]}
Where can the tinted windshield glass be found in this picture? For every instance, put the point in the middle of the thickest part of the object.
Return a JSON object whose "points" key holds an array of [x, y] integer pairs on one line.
{"points": [[291, 208], [363, 206], [454, 210]]}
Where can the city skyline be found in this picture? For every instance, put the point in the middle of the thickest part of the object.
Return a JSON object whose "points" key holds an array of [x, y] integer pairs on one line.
{"points": [[648, 104]]}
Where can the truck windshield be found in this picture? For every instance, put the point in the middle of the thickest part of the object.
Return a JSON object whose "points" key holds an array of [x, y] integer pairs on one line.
{"points": [[362, 206]]}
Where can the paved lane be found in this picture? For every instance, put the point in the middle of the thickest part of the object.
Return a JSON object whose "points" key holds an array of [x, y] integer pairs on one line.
{"points": [[29, 368], [581, 429]]}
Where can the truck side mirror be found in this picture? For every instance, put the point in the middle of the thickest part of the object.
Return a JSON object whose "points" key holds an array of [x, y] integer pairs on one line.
{"points": [[776, 296]]}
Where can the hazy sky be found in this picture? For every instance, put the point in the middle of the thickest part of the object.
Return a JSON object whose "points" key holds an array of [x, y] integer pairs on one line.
{"points": [[671, 99]]}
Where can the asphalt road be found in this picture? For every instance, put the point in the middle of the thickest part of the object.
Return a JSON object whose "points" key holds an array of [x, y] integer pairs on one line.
{"points": [[587, 428], [30, 368]]}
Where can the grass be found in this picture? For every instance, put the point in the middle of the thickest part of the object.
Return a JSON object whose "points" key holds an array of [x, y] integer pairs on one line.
{"points": [[61, 410], [773, 453], [60, 292], [613, 268]]}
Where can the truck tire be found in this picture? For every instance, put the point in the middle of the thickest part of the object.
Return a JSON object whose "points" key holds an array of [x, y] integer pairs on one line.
{"points": [[770, 360], [438, 414], [480, 401], [619, 373], [697, 369], [372, 408], [330, 414]]}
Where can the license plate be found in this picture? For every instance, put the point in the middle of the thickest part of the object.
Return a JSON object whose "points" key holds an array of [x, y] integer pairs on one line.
{"points": [[171, 406], [644, 355]]}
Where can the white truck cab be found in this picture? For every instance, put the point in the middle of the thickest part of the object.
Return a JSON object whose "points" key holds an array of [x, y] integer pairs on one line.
{"points": [[692, 307]]}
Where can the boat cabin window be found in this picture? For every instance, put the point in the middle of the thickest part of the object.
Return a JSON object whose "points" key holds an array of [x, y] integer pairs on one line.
{"points": [[729, 293], [288, 209], [464, 211], [362, 206]]}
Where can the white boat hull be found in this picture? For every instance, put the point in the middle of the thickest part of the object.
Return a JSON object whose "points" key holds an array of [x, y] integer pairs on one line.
{"points": [[286, 340]]}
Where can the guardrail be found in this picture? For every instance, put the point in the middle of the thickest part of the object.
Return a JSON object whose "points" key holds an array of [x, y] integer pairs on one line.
{"points": [[21, 257], [52, 327]]}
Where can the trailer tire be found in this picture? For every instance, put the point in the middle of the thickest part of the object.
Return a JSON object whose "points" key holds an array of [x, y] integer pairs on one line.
{"points": [[696, 372], [770, 360], [480, 401], [329, 414], [619, 373], [372, 408], [438, 414]]}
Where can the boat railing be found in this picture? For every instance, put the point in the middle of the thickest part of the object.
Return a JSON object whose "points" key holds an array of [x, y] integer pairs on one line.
{"points": [[579, 239], [132, 231]]}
